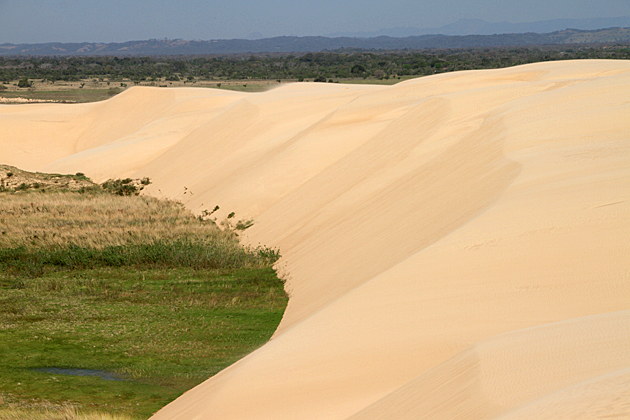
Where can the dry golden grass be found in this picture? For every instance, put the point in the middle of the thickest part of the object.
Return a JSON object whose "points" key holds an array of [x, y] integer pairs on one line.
{"points": [[52, 412], [96, 220], [44, 410], [111, 225]]}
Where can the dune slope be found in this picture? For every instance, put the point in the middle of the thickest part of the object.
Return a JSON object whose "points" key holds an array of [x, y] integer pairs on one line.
{"points": [[455, 246]]}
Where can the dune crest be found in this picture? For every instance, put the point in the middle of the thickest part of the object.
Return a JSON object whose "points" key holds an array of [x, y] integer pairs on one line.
{"points": [[456, 246]]}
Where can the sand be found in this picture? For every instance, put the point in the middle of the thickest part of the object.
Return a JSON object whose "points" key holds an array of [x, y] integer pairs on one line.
{"points": [[455, 246]]}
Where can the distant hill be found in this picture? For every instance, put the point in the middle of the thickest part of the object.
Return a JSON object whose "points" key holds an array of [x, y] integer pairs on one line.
{"points": [[481, 27], [287, 44]]}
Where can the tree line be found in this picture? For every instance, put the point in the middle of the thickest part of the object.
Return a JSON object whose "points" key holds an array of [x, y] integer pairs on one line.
{"points": [[321, 66]]}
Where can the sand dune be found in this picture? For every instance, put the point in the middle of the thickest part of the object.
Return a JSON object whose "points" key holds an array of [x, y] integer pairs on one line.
{"points": [[456, 246], [551, 369]]}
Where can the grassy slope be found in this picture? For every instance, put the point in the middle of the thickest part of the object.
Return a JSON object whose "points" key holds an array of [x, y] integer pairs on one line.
{"points": [[161, 324]]}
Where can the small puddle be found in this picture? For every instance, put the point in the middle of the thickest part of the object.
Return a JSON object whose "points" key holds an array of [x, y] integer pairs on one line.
{"points": [[108, 376]]}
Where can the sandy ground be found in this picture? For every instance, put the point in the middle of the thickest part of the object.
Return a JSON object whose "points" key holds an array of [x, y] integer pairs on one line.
{"points": [[456, 246]]}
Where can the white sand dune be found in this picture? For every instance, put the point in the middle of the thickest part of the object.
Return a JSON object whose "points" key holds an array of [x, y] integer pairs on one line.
{"points": [[456, 246]]}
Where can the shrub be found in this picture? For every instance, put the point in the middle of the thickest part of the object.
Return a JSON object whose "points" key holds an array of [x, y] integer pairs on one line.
{"points": [[113, 91], [244, 224], [24, 83], [125, 186], [357, 69]]}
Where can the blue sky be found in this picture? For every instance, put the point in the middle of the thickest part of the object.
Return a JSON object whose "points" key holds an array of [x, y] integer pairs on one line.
{"points": [[31, 21]]}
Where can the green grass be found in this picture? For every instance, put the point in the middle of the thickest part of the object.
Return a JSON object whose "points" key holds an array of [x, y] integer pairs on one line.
{"points": [[195, 254], [162, 330], [133, 286]]}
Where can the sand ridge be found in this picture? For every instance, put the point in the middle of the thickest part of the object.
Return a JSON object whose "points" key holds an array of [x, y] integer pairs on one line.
{"points": [[455, 246]]}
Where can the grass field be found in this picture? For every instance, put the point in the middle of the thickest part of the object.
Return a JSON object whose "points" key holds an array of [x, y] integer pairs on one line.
{"points": [[71, 92], [72, 95], [119, 304]]}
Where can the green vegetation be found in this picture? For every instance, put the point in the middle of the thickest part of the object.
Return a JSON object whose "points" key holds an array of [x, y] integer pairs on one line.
{"points": [[138, 298], [339, 65], [24, 83], [13, 179], [125, 186], [161, 330]]}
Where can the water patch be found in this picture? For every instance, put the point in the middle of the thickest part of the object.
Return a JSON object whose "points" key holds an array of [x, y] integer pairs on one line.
{"points": [[108, 376]]}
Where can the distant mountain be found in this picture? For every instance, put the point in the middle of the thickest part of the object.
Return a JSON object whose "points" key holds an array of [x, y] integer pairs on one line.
{"points": [[481, 27], [288, 44]]}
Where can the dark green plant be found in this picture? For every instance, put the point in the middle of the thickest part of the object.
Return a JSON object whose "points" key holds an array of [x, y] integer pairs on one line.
{"points": [[24, 83], [124, 187], [244, 224], [205, 215]]}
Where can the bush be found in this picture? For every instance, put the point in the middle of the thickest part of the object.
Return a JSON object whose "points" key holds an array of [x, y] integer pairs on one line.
{"points": [[357, 69], [113, 91], [24, 83], [125, 187]]}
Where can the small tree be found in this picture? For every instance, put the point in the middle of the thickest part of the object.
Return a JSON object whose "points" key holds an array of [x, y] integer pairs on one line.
{"points": [[357, 69], [24, 83]]}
